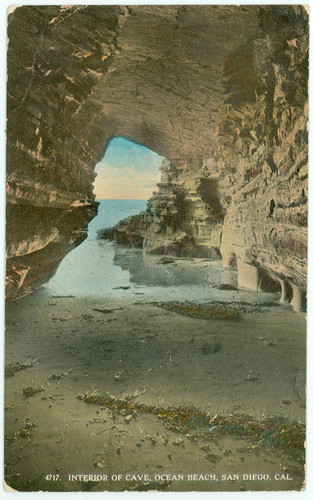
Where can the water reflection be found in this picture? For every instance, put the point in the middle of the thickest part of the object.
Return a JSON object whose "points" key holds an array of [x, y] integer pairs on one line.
{"points": [[101, 268], [153, 270]]}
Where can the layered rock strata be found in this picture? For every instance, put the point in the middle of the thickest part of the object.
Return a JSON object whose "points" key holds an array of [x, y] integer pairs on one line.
{"points": [[184, 217], [46, 235], [220, 91]]}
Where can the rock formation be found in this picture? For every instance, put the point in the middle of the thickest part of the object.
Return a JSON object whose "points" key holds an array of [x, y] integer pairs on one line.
{"points": [[127, 232], [220, 91], [39, 239], [183, 218]]}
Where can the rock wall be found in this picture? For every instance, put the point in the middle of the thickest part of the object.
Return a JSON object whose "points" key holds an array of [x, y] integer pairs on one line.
{"points": [[266, 221], [38, 240], [184, 217], [220, 91]]}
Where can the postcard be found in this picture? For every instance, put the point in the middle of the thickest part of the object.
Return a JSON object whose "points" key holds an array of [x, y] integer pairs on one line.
{"points": [[156, 243]]}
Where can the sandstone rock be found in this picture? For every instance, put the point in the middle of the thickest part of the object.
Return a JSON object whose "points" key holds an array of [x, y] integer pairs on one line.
{"points": [[127, 232], [220, 91], [37, 257]]}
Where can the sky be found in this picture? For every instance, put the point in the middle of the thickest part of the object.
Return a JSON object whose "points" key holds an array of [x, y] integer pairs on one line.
{"points": [[127, 171]]}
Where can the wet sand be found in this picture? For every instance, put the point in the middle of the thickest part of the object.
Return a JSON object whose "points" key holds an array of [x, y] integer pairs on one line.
{"points": [[128, 348]]}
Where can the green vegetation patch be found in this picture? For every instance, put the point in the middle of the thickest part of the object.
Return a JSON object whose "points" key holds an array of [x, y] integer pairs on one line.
{"points": [[274, 432], [201, 311]]}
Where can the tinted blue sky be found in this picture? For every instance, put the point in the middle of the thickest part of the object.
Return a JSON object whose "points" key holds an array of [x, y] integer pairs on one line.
{"points": [[127, 171]]}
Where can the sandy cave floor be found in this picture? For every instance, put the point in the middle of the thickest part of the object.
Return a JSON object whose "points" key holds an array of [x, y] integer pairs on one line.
{"points": [[146, 355]]}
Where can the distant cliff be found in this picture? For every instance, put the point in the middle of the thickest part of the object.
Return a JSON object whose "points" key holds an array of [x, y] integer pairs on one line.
{"points": [[126, 232]]}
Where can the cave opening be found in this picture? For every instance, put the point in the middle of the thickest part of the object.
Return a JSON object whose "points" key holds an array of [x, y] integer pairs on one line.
{"points": [[128, 171], [142, 369], [125, 179]]}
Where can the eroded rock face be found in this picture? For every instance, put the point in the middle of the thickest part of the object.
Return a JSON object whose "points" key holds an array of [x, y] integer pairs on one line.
{"points": [[221, 91], [127, 232], [34, 254], [185, 216]]}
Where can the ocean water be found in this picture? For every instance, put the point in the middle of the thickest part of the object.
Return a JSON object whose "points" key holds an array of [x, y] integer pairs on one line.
{"points": [[88, 270], [110, 212], [102, 268]]}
